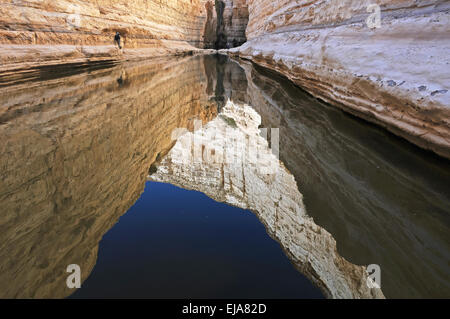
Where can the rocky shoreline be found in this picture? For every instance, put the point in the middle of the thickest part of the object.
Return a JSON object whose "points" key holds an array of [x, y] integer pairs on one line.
{"points": [[395, 76], [66, 55]]}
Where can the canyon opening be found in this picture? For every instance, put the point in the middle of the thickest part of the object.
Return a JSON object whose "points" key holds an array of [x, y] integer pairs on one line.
{"points": [[224, 149]]}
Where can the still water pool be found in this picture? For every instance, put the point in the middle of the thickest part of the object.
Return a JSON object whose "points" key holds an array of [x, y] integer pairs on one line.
{"points": [[91, 174]]}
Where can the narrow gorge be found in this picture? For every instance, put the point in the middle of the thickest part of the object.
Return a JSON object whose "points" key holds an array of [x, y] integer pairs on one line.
{"points": [[395, 75], [225, 148], [54, 32]]}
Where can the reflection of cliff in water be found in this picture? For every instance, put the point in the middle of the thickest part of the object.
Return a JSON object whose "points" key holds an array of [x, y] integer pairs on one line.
{"points": [[75, 153], [225, 80], [231, 162], [382, 199], [385, 201]]}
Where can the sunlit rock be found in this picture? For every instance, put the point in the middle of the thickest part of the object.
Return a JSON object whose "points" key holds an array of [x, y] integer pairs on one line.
{"points": [[395, 74], [56, 32]]}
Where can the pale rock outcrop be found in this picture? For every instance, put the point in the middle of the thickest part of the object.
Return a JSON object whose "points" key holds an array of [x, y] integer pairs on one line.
{"points": [[231, 162], [396, 76]]}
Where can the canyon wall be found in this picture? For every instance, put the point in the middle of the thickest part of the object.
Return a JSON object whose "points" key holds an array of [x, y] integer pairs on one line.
{"points": [[45, 31], [395, 75]]}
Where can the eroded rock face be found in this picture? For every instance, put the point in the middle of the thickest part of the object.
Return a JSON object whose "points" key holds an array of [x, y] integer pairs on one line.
{"points": [[232, 23], [373, 193], [44, 30], [231, 162], [74, 155], [396, 76]]}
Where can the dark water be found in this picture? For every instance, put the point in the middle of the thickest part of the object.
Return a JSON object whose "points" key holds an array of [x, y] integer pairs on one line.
{"points": [[76, 151], [175, 243]]}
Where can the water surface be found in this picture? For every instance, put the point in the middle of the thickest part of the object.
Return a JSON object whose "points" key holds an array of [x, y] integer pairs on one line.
{"points": [[77, 150], [175, 243]]}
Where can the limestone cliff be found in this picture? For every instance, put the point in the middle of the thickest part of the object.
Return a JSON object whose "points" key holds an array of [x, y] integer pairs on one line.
{"points": [[231, 162], [74, 156], [45, 31], [396, 75]]}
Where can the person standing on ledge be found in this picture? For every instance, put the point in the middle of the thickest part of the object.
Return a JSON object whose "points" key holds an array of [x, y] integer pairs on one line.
{"points": [[117, 39]]}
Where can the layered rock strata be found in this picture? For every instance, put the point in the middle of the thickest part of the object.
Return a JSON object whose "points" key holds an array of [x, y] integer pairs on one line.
{"points": [[396, 75], [53, 32], [231, 162], [232, 19], [74, 156], [44, 31]]}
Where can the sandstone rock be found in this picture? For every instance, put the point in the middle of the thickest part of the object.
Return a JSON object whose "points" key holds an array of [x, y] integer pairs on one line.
{"points": [[56, 32], [46, 31]]}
